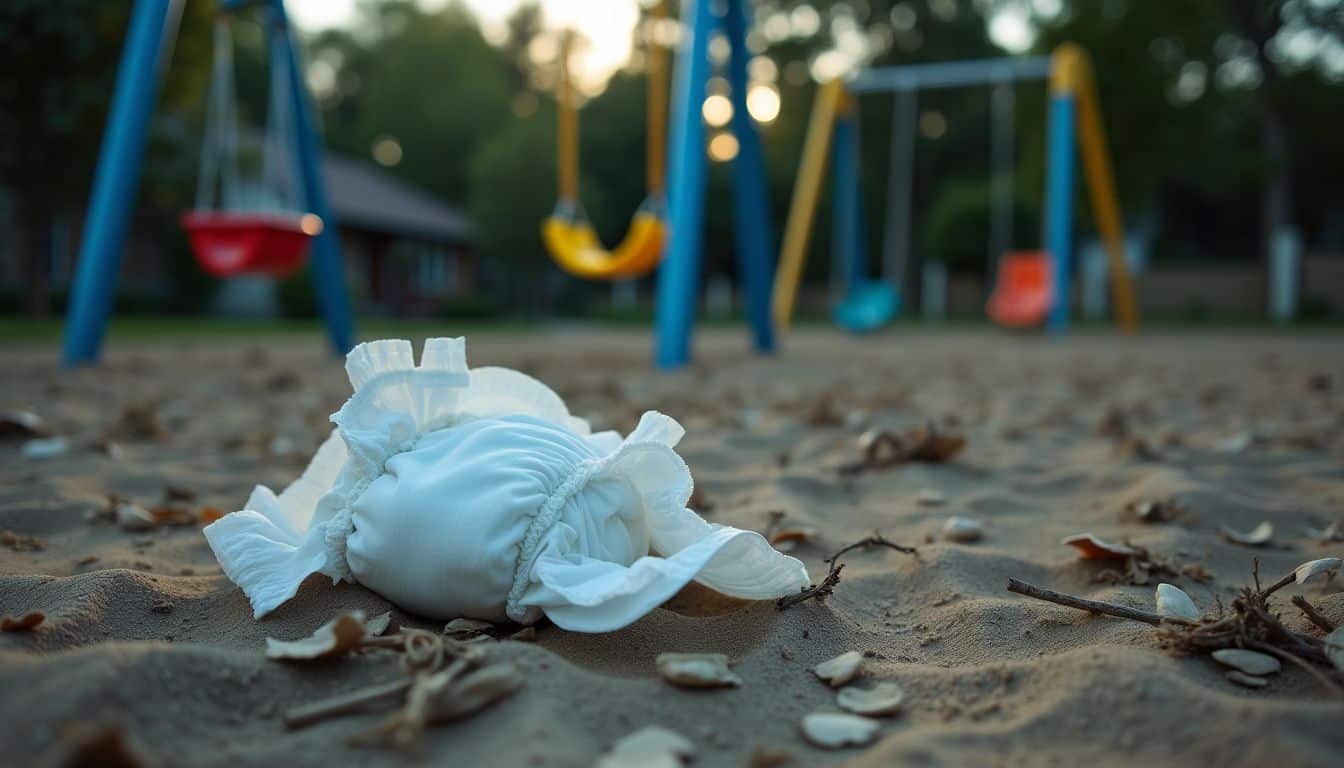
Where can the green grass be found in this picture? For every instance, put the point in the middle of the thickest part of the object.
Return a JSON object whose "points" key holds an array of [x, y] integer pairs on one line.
{"points": [[150, 328]]}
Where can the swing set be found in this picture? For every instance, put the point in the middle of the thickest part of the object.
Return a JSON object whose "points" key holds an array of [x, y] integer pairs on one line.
{"points": [[667, 230], [266, 225], [567, 234], [1032, 286]]}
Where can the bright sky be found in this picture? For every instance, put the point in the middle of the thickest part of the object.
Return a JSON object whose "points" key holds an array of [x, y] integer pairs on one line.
{"points": [[608, 24]]}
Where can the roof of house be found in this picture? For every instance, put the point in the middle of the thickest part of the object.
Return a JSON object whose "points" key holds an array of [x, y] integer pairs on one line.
{"points": [[364, 196]]}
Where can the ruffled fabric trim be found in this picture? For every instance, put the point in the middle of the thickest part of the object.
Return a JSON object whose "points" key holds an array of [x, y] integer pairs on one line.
{"points": [[270, 546], [584, 594]]}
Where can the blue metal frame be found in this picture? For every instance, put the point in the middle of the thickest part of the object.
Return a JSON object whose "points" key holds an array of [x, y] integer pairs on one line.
{"points": [[118, 178], [846, 204], [326, 264], [116, 182], [679, 275], [1059, 193], [751, 224]]}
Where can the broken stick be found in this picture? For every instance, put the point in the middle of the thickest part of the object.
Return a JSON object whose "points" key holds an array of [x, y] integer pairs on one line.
{"points": [[1091, 606]]}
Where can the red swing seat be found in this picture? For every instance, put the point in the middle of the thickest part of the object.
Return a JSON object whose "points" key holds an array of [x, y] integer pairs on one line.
{"points": [[1024, 290], [230, 243]]}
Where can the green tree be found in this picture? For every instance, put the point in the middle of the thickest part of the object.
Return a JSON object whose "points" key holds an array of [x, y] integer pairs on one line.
{"points": [[58, 65]]}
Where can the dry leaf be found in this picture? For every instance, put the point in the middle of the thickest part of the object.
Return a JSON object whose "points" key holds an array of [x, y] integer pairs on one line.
{"points": [[209, 515], [167, 514], [24, 623], [341, 634], [475, 691], [20, 542], [1307, 570], [789, 538], [1094, 548], [1174, 603], [1257, 537], [464, 628]]}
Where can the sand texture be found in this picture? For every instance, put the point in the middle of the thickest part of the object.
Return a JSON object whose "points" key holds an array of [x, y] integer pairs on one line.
{"points": [[143, 633]]}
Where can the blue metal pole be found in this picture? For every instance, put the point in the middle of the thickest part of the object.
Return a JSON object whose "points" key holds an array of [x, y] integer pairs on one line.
{"points": [[751, 221], [1059, 205], [845, 222], [326, 264], [116, 181], [680, 272]]}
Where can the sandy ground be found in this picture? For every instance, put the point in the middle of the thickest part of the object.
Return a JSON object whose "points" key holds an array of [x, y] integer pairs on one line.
{"points": [[143, 633]]}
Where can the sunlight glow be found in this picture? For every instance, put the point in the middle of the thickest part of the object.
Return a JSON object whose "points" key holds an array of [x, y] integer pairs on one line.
{"points": [[718, 110], [723, 147], [763, 103]]}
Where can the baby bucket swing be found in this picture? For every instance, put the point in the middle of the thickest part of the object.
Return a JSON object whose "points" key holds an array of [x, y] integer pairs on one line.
{"points": [[255, 229], [568, 235]]}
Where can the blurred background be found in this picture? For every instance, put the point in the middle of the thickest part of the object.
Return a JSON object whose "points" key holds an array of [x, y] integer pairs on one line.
{"points": [[439, 123]]}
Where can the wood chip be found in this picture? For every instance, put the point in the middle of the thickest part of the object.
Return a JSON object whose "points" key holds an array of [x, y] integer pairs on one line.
{"points": [[841, 669], [1094, 547], [697, 670], [341, 634], [25, 623]]}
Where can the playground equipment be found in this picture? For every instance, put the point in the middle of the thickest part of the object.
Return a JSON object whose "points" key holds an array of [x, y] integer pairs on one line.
{"points": [[152, 27], [1074, 112], [259, 231], [679, 276], [574, 246], [567, 233]]}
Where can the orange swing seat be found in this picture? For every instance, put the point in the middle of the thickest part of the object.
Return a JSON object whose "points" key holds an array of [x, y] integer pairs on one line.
{"points": [[1024, 290]]}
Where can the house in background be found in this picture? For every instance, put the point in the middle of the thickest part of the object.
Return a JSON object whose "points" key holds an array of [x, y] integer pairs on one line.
{"points": [[406, 252]]}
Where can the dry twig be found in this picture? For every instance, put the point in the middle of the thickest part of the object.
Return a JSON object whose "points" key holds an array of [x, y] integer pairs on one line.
{"points": [[824, 589]]}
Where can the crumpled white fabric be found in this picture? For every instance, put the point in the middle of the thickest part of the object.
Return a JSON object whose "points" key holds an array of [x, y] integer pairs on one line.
{"points": [[459, 492]]}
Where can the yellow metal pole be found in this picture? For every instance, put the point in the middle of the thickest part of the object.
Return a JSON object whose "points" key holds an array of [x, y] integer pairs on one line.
{"points": [[1076, 74], [803, 208], [567, 133], [655, 143]]}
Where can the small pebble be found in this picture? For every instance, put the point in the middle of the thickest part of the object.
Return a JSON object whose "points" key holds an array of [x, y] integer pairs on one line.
{"points": [[831, 730], [1250, 662], [841, 669], [1250, 681], [697, 670], [929, 497], [962, 529]]}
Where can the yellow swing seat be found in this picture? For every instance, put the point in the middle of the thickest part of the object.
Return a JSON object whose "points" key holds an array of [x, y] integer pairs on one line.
{"points": [[573, 244], [567, 235]]}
